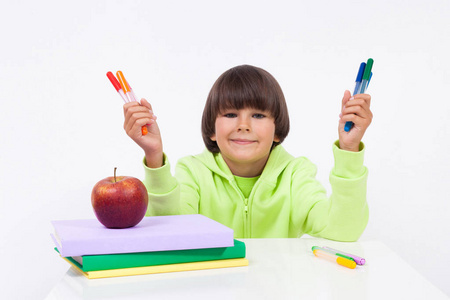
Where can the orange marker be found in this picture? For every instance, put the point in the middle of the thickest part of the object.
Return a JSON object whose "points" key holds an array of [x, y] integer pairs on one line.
{"points": [[124, 85], [125, 92], [131, 92]]}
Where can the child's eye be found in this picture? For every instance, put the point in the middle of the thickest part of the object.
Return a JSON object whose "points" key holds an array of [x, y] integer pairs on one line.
{"points": [[258, 116], [230, 115]]}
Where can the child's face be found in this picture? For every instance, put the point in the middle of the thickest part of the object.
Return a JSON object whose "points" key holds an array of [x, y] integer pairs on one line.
{"points": [[245, 135]]}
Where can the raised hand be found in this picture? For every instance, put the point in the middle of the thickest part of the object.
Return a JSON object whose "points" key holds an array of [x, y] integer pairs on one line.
{"points": [[138, 115], [357, 110]]}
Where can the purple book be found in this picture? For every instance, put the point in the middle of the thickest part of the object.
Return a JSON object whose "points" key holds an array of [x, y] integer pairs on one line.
{"points": [[162, 233]]}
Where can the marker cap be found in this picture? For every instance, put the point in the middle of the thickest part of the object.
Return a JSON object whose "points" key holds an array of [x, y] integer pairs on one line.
{"points": [[362, 66], [346, 262], [122, 81], [113, 80], [368, 69]]}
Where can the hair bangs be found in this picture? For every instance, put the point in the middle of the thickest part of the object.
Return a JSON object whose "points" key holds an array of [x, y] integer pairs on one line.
{"points": [[239, 91]]}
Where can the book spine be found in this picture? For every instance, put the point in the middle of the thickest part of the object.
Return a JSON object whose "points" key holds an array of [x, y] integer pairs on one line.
{"points": [[123, 245], [130, 260]]}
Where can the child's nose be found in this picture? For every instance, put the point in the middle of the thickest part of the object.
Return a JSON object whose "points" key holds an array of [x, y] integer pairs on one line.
{"points": [[243, 126]]}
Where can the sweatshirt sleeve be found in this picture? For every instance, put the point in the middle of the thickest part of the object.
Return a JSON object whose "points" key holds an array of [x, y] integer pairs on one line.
{"points": [[344, 215], [189, 185], [172, 195], [163, 190]]}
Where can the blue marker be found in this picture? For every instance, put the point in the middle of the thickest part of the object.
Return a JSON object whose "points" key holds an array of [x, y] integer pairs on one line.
{"points": [[359, 78], [362, 82], [362, 66]]}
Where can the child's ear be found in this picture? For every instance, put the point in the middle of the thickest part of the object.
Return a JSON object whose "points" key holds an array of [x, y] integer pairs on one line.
{"points": [[276, 139], [213, 138]]}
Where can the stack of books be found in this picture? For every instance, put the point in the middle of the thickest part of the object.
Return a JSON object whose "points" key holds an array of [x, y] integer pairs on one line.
{"points": [[156, 245]]}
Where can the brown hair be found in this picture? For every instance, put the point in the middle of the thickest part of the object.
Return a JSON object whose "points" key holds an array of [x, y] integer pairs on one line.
{"points": [[245, 87]]}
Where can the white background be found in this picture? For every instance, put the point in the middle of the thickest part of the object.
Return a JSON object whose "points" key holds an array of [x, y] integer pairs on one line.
{"points": [[61, 120]]}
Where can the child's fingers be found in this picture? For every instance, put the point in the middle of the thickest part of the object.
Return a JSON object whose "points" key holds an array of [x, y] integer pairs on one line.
{"points": [[133, 117], [135, 107], [359, 114], [360, 122], [139, 117], [360, 101], [358, 110], [359, 97], [132, 107], [129, 105], [345, 98], [137, 127], [354, 104], [145, 105], [359, 104], [130, 110]]}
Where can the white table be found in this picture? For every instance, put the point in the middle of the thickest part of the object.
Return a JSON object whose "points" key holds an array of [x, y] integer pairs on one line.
{"points": [[278, 269]]}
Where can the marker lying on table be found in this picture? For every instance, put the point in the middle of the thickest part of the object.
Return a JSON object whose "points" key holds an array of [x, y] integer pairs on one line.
{"points": [[361, 84], [339, 259], [358, 260], [124, 90]]}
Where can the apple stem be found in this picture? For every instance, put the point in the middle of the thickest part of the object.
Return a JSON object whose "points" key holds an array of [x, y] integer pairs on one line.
{"points": [[115, 174]]}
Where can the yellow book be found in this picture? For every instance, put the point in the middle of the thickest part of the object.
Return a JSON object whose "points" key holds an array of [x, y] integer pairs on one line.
{"points": [[202, 265]]}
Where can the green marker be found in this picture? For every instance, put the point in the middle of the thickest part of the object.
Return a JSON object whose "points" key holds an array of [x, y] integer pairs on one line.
{"points": [[366, 76]]}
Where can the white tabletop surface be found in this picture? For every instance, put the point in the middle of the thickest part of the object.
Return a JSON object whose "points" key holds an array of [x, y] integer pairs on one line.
{"points": [[278, 269]]}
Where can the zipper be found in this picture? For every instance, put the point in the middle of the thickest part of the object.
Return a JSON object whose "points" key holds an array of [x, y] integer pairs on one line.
{"points": [[246, 225], [247, 229], [245, 200], [246, 207], [248, 203]]}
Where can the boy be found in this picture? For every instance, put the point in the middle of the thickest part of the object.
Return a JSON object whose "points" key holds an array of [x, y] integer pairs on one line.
{"points": [[245, 179]]}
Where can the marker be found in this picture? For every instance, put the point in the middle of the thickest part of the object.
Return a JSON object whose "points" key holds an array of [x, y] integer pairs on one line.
{"points": [[133, 96], [334, 252], [364, 76], [117, 86], [124, 85], [124, 90], [319, 252], [358, 260], [359, 77], [362, 66]]}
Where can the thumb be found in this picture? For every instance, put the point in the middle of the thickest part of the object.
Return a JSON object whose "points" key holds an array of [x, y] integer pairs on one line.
{"points": [[345, 98]]}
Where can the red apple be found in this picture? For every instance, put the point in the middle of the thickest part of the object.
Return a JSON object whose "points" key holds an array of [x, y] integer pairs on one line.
{"points": [[119, 202]]}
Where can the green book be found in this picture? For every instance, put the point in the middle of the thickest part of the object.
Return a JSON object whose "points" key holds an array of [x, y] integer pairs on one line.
{"points": [[143, 259]]}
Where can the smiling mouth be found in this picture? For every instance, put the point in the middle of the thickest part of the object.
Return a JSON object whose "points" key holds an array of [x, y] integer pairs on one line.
{"points": [[243, 141]]}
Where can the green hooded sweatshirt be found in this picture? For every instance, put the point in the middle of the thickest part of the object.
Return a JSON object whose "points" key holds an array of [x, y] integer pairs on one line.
{"points": [[286, 201]]}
